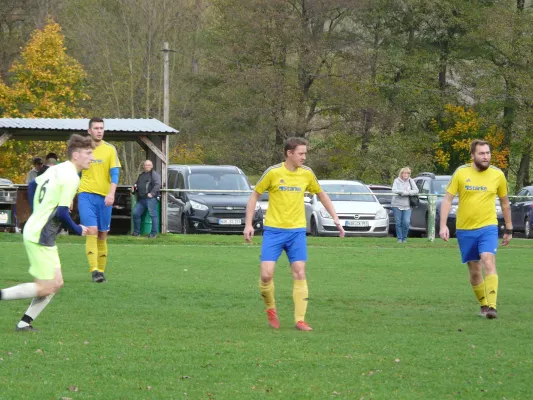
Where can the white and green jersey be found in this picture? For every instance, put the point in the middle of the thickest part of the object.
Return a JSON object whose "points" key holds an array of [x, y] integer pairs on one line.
{"points": [[55, 188]]}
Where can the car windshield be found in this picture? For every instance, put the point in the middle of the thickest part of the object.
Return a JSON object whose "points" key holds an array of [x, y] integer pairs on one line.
{"points": [[381, 198], [219, 181], [439, 186], [336, 192]]}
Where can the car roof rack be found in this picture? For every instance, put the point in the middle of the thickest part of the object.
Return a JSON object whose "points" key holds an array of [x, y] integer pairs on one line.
{"points": [[428, 174]]}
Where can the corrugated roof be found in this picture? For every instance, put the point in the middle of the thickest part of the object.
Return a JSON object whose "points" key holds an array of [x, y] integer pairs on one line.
{"points": [[111, 125]]}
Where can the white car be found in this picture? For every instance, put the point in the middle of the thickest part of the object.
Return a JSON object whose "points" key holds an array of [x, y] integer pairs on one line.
{"points": [[360, 214]]}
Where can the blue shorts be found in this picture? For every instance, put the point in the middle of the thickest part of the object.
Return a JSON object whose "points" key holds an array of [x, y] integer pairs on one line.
{"points": [[476, 241], [94, 212], [275, 240]]}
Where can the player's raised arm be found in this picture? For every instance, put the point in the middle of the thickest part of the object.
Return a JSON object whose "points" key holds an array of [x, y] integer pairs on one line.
{"points": [[328, 205]]}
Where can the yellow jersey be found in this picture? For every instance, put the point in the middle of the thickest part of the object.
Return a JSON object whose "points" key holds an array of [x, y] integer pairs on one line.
{"points": [[97, 178], [477, 192], [286, 191]]}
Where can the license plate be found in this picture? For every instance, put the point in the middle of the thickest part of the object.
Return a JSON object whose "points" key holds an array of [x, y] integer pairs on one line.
{"points": [[229, 221], [357, 223]]}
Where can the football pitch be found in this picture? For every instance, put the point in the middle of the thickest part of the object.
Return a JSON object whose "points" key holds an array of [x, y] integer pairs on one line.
{"points": [[181, 318]]}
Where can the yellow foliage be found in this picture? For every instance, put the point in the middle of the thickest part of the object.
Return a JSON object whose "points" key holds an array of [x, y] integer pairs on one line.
{"points": [[466, 125], [186, 154], [46, 83]]}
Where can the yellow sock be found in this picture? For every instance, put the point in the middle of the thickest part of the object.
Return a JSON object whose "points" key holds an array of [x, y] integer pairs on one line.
{"points": [[102, 255], [491, 287], [91, 249], [300, 295], [479, 291], [267, 291]]}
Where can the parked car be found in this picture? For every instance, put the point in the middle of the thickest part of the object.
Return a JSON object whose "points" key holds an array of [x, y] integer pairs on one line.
{"points": [[522, 211], [209, 212], [360, 214], [263, 203], [429, 183], [5, 182], [385, 201]]}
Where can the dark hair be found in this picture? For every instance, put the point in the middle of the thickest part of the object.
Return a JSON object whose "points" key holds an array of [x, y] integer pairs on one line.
{"points": [[78, 142], [95, 119], [37, 161], [293, 142], [478, 142], [51, 155]]}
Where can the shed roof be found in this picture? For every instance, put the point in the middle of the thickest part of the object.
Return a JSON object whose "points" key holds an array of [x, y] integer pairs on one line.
{"points": [[59, 129]]}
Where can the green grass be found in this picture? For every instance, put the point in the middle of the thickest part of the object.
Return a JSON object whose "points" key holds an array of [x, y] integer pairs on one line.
{"points": [[181, 317]]}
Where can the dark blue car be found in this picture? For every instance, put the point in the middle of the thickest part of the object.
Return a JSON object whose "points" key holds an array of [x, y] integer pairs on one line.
{"points": [[522, 211]]}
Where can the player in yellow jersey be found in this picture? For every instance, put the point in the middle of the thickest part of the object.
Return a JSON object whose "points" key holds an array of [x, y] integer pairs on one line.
{"points": [[285, 226], [96, 198], [51, 195], [477, 185]]}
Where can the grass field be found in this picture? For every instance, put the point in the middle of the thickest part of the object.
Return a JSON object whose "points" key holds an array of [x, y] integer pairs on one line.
{"points": [[181, 317]]}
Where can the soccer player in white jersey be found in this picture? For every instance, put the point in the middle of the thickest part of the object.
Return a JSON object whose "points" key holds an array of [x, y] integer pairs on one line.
{"points": [[51, 195]]}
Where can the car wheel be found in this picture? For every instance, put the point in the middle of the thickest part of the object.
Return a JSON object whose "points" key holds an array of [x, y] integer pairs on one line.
{"points": [[314, 227], [527, 229]]}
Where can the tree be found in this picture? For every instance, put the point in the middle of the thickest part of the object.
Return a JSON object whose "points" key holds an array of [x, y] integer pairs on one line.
{"points": [[459, 126], [45, 83]]}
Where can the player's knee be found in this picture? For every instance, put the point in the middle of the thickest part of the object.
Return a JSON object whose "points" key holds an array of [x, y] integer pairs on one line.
{"points": [[58, 285], [92, 230], [298, 275], [45, 289], [102, 235], [266, 277]]}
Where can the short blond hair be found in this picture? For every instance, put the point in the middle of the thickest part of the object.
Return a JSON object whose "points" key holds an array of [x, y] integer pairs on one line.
{"points": [[404, 169]]}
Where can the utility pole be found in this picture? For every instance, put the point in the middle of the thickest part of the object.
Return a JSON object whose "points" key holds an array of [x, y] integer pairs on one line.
{"points": [[166, 110]]}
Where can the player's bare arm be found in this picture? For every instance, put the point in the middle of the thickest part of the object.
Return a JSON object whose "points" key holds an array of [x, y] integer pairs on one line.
{"points": [[506, 211], [328, 205], [110, 198], [445, 208], [250, 211]]}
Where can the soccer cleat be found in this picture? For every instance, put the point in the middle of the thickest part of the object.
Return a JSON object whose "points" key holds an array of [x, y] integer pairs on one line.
{"points": [[302, 326], [98, 277], [152, 236], [134, 234], [273, 319], [27, 328], [483, 311], [492, 313]]}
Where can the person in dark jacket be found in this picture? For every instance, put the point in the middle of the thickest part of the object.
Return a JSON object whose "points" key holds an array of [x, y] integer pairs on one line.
{"points": [[147, 188]]}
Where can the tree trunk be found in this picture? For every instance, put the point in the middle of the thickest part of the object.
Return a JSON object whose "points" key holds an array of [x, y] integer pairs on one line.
{"points": [[508, 120], [522, 176], [368, 115]]}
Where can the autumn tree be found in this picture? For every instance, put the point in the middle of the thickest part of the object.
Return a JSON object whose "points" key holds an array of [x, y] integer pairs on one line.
{"points": [[458, 128], [44, 83]]}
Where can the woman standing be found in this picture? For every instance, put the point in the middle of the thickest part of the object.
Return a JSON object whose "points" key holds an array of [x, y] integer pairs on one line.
{"points": [[403, 187]]}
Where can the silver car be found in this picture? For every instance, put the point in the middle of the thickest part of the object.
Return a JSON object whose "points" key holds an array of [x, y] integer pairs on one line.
{"points": [[360, 214], [263, 204]]}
